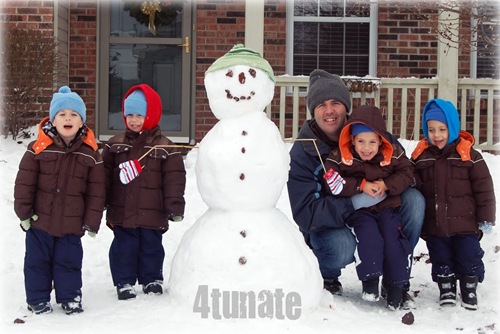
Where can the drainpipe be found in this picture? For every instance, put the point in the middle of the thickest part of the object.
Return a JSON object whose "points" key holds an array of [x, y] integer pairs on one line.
{"points": [[447, 69]]}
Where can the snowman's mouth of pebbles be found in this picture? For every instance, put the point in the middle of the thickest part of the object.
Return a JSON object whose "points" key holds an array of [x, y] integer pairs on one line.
{"points": [[238, 98]]}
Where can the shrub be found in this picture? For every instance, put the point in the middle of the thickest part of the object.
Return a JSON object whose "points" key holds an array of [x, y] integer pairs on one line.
{"points": [[29, 64]]}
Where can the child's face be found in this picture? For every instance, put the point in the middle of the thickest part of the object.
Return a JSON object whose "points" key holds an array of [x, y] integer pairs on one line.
{"points": [[135, 122], [438, 133], [67, 123], [366, 144]]}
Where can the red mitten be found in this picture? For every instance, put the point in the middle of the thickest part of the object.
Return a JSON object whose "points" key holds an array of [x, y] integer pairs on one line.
{"points": [[129, 170], [335, 181]]}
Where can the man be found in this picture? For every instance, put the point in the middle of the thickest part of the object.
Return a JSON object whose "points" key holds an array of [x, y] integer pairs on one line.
{"points": [[320, 215]]}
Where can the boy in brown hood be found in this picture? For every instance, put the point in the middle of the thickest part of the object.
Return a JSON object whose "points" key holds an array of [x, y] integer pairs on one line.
{"points": [[367, 162]]}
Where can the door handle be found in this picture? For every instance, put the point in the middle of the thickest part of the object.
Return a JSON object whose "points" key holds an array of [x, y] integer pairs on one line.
{"points": [[186, 44]]}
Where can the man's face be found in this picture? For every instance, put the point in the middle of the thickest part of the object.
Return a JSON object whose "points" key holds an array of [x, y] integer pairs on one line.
{"points": [[331, 117]]}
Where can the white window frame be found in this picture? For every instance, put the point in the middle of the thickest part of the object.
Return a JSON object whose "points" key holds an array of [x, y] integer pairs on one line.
{"points": [[373, 21]]}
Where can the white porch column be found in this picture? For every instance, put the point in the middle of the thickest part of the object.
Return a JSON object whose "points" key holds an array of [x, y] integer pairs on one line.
{"points": [[448, 56], [254, 25]]}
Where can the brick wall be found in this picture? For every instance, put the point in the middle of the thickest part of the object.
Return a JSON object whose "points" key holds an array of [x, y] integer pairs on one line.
{"points": [[39, 15], [406, 45], [83, 54], [36, 15], [221, 25], [408, 42]]}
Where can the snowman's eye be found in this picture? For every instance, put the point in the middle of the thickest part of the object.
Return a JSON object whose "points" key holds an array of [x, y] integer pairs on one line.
{"points": [[229, 74], [252, 72]]}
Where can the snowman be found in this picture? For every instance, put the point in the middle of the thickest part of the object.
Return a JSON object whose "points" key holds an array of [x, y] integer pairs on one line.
{"points": [[243, 246]]}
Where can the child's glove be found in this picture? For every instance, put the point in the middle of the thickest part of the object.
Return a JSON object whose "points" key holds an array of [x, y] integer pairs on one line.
{"points": [[176, 218], [485, 226], [26, 224], [335, 181], [90, 233]]}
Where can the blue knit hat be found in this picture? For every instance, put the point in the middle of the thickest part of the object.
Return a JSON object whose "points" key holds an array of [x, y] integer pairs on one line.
{"points": [[66, 99], [135, 103], [435, 114], [445, 112], [357, 128]]}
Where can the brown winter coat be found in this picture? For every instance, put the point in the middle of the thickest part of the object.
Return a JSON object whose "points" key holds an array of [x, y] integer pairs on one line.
{"points": [[156, 194], [457, 187], [390, 164], [64, 186]]}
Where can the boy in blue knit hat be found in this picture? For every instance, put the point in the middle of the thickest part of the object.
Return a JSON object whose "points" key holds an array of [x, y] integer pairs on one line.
{"points": [[460, 202], [58, 195]]}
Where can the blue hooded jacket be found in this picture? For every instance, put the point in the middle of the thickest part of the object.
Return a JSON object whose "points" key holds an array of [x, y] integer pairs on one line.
{"points": [[451, 114]]}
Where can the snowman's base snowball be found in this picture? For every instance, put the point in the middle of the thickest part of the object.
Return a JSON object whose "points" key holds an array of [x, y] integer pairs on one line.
{"points": [[245, 252]]}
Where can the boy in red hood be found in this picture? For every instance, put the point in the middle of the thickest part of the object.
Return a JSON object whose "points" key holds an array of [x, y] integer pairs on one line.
{"points": [[140, 205]]}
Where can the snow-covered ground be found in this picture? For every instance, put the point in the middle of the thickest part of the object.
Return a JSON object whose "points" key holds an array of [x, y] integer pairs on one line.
{"points": [[157, 314]]}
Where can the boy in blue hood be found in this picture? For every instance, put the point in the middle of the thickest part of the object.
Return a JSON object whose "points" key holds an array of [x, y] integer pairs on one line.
{"points": [[460, 202]]}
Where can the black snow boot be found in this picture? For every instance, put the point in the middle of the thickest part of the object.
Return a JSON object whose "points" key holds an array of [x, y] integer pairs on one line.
{"points": [[333, 286], [447, 289], [153, 288], [394, 297], [125, 291], [407, 301], [468, 286], [370, 290]]}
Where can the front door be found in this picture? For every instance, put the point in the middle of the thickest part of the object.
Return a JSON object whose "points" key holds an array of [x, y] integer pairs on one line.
{"points": [[145, 42]]}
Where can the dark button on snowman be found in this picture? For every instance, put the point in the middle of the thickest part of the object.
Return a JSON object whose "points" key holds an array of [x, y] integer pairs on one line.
{"points": [[243, 242]]}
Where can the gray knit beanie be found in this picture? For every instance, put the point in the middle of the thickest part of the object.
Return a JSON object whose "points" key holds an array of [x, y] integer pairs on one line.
{"points": [[324, 86]]}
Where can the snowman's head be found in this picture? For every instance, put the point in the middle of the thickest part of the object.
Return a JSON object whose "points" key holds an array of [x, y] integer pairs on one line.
{"points": [[239, 82]]}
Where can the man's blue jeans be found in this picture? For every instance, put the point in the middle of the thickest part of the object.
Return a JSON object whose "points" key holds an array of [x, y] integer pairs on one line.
{"points": [[334, 248]]}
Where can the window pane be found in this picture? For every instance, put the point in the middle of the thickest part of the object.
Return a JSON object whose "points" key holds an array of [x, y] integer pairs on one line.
{"points": [[304, 65], [332, 64], [128, 20], [305, 38], [487, 51], [333, 8], [356, 65], [305, 8], [156, 65], [331, 40], [358, 38], [358, 8]]}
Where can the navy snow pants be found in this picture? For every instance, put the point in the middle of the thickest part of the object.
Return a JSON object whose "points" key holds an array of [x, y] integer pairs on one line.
{"points": [[382, 248], [136, 254], [458, 254], [52, 259]]}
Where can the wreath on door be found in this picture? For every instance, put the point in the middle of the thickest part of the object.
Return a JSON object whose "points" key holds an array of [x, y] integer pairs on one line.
{"points": [[153, 13]]}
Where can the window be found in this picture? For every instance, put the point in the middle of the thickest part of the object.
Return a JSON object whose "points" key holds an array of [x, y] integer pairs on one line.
{"points": [[485, 60], [338, 36]]}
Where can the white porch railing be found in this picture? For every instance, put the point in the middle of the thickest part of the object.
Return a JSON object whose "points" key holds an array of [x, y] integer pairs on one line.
{"points": [[401, 101]]}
